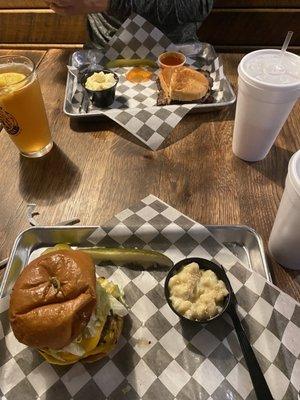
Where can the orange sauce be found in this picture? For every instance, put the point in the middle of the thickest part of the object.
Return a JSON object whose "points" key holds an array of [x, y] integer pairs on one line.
{"points": [[137, 75], [172, 60]]}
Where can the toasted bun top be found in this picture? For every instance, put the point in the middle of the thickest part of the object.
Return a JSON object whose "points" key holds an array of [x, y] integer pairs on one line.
{"points": [[53, 299], [183, 83], [188, 84]]}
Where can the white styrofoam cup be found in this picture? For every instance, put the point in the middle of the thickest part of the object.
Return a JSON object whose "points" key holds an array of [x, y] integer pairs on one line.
{"points": [[284, 242], [262, 109]]}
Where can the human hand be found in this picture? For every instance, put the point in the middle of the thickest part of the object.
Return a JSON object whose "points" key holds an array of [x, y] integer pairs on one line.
{"points": [[73, 7]]}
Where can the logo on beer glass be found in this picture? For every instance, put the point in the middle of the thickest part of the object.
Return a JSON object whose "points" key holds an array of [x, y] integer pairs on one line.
{"points": [[9, 122]]}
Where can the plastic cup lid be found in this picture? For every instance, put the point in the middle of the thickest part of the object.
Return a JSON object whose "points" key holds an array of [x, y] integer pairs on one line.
{"points": [[265, 85]]}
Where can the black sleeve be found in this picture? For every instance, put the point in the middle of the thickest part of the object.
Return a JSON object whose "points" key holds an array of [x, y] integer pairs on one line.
{"points": [[165, 12]]}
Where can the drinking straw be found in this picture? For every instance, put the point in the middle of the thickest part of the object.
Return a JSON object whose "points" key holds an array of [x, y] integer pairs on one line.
{"points": [[279, 68], [286, 42]]}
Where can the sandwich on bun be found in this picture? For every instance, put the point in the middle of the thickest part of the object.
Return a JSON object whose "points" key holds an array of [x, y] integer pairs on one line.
{"points": [[182, 85], [61, 308]]}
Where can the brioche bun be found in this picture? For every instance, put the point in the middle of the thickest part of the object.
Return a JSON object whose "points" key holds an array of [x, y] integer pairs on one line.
{"points": [[53, 299]]}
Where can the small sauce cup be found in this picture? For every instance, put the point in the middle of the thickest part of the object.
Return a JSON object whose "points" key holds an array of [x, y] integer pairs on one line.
{"points": [[171, 59], [101, 98], [204, 265]]}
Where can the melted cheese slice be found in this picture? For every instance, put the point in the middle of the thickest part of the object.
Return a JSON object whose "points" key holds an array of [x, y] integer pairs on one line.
{"points": [[54, 360], [90, 343]]}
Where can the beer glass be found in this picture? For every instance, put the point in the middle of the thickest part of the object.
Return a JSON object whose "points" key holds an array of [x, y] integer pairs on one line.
{"points": [[22, 110]]}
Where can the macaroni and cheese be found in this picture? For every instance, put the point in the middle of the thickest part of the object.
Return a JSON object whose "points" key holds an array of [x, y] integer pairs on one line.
{"points": [[100, 81], [197, 294]]}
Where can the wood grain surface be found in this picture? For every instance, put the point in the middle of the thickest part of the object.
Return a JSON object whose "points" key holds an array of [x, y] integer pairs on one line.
{"points": [[6, 4], [246, 27], [226, 26], [41, 26], [244, 49], [97, 169], [9, 4], [255, 3]]}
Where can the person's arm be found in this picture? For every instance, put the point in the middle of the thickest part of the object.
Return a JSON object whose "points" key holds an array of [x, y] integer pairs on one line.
{"points": [[167, 12]]}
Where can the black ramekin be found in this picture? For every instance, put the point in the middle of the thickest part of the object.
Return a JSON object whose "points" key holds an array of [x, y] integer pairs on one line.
{"points": [[205, 265], [100, 98]]}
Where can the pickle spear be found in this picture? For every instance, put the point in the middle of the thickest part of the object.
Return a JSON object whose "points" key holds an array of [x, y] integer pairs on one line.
{"points": [[131, 62], [125, 256]]}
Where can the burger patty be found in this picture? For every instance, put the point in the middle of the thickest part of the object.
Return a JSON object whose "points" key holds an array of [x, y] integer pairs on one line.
{"points": [[109, 338]]}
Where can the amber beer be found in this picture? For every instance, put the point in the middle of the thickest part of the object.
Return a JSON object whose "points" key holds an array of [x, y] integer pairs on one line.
{"points": [[22, 110]]}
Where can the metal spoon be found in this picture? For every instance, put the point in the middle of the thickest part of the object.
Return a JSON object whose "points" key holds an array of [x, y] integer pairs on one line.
{"points": [[260, 385]]}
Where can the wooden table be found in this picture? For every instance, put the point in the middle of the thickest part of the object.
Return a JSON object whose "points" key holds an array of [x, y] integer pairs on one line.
{"points": [[97, 169]]}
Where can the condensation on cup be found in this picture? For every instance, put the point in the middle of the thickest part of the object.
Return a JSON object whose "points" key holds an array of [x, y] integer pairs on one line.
{"points": [[284, 242], [268, 88]]}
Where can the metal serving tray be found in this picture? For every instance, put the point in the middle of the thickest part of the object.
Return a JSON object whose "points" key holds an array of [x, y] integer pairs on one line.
{"points": [[203, 52], [243, 241]]}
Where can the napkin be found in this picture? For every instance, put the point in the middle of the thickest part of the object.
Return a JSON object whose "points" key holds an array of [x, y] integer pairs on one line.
{"points": [[135, 104], [158, 356]]}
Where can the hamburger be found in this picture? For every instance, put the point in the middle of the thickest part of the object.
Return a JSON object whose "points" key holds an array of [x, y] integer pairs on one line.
{"points": [[61, 308]]}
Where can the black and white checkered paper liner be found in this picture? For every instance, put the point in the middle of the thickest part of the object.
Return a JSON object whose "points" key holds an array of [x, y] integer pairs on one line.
{"points": [[135, 106], [158, 357]]}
